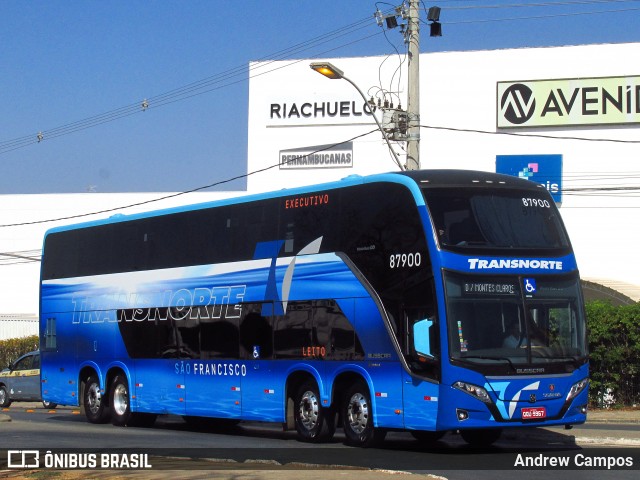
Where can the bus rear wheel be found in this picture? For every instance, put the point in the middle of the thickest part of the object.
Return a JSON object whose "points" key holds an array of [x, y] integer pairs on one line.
{"points": [[357, 417], [94, 403], [313, 424], [121, 414], [482, 437], [119, 401]]}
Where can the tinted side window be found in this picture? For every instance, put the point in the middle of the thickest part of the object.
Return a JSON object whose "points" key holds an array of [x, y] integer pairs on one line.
{"points": [[25, 363], [315, 330], [378, 221], [198, 237], [220, 338], [304, 218], [294, 330], [335, 331], [256, 333], [148, 333]]}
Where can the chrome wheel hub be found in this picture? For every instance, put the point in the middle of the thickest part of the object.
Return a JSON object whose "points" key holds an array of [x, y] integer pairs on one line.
{"points": [[120, 399], [358, 413], [309, 410]]}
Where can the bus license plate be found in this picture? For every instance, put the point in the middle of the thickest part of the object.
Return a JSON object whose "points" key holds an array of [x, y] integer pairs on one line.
{"points": [[534, 413]]}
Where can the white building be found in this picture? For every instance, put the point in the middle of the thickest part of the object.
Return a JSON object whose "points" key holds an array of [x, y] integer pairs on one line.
{"points": [[568, 117]]}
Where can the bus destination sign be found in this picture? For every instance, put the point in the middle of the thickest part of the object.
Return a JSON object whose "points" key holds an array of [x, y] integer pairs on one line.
{"points": [[490, 288]]}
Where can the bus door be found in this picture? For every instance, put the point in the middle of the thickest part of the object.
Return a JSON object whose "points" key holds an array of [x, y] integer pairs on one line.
{"points": [[421, 386], [262, 388]]}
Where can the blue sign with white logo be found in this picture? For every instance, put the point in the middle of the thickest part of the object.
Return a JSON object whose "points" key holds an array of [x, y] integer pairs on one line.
{"points": [[543, 169], [530, 286]]}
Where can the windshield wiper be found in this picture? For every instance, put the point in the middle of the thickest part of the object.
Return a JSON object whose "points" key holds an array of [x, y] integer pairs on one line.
{"points": [[486, 357], [573, 360]]}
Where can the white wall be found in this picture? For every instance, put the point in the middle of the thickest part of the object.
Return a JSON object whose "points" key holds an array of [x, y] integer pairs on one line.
{"points": [[18, 326]]}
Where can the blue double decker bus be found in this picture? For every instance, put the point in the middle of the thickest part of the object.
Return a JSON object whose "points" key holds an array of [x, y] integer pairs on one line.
{"points": [[424, 301]]}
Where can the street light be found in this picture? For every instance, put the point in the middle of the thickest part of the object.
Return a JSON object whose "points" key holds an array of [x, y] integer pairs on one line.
{"points": [[334, 73]]}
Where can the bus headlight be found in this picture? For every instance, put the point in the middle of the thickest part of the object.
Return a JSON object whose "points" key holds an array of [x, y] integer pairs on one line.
{"points": [[577, 388], [473, 390]]}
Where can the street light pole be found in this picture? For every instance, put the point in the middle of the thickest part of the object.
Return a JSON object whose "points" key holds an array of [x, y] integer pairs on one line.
{"points": [[413, 94], [334, 73]]}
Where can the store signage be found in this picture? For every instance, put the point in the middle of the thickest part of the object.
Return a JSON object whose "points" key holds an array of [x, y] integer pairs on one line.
{"points": [[318, 110], [320, 156], [543, 169], [568, 102]]}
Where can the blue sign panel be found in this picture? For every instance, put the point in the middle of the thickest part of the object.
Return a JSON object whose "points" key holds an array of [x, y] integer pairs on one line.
{"points": [[543, 169]]}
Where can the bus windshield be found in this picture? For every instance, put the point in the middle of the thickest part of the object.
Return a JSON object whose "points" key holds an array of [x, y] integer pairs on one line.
{"points": [[495, 218], [504, 321]]}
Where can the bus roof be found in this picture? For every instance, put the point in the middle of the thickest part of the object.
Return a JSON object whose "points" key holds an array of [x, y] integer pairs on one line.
{"points": [[422, 178]]}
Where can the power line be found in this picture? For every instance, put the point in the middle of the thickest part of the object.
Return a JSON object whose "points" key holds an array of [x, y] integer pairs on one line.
{"points": [[200, 87], [226, 78], [535, 135], [238, 177], [173, 195], [540, 17], [538, 4], [22, 256]]}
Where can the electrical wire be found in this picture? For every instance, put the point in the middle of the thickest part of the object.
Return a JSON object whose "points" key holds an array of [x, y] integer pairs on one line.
{"points": [[200, 87], [173, 195], [538, 4], [533, 135], [20, 257], [537, 17], [225, 79]]}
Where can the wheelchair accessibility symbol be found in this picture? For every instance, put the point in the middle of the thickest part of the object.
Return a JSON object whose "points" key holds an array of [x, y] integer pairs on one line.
{"points": [[530, 286]]}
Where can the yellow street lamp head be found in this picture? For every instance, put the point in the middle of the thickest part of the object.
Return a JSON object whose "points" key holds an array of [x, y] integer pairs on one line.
{"points": [[328, 70]]}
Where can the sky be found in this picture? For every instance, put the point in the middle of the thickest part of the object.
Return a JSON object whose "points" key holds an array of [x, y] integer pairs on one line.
{"points": [[74, 76]]}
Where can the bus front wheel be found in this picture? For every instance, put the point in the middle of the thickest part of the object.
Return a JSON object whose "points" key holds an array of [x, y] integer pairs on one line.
{"points": [[311, 420], [93, 401], [357, 417]]}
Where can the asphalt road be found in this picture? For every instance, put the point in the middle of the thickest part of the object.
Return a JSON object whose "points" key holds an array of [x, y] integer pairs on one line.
{"points": [[172, 444]]}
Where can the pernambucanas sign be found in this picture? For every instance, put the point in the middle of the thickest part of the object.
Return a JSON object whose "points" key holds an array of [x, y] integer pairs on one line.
{"points": [[568, 102]]}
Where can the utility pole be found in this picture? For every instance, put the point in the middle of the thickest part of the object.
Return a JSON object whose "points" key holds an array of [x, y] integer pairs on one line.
{"points": [[413, 87], [404, 126]]}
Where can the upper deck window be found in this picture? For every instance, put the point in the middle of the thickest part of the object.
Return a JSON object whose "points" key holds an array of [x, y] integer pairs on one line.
{"points": [[495, 218]]}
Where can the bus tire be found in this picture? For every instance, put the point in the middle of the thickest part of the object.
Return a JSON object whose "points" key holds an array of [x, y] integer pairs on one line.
{"points": [[357, 417], [310, 418], [93, 401], [119, 401], [482, 437]]}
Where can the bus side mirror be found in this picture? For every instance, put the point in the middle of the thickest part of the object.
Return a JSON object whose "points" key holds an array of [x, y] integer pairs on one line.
{"points": [[422, 339]]}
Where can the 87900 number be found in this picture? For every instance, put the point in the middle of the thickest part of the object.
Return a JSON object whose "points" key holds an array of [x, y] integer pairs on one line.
{"points": [[536, 202], [405, 260]]}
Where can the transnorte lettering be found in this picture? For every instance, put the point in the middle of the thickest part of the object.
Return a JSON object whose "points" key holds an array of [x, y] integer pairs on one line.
{"points": [[512, 263]]}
